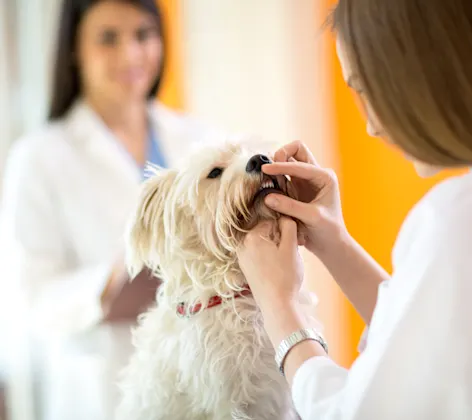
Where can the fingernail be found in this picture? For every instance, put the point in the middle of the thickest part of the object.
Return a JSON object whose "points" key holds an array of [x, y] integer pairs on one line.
{"points": [[272, 201]]}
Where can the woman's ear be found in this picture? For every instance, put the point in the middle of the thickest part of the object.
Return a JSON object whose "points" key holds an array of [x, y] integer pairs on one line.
{"points": [[146, 229]]}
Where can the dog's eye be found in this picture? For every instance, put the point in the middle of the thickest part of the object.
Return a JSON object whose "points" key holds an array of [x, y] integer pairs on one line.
{"points": [[215, 173]]}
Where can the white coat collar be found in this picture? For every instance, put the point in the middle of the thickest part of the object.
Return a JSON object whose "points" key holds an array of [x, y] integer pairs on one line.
{"points": [[91, 134]]}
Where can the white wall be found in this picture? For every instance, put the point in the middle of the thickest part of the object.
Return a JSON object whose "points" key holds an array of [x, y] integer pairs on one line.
{"points": [[256, 66], [260, 66], [236, 65]]}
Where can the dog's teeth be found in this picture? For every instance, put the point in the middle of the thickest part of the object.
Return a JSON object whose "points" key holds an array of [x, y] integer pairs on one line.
{"points": [[267, 184]]}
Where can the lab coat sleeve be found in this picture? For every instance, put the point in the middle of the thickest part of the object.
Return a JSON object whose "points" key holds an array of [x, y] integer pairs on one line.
{"points": [[59, 298], [420, 340]]}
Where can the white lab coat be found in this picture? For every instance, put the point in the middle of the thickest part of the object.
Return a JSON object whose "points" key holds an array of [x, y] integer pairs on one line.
{"points": [[68, 191], [417, 364]]}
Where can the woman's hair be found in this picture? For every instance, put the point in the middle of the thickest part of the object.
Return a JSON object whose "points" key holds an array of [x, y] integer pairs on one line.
{"points": [[413, 61], [66, 78]]}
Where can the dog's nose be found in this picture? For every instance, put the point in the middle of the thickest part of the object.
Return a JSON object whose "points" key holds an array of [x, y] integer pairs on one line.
{"points": [[255, 163]]}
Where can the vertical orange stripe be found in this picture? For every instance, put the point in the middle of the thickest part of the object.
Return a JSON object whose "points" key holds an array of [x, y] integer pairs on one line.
{"points": [[171, 92]]}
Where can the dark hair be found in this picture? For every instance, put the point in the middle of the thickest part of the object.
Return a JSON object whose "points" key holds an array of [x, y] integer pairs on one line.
{"points": [[66, 80], [413, 62]]}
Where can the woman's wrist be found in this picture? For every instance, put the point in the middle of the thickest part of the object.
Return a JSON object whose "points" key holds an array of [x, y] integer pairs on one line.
{"points": [[339, 238], [281, 319], [355, 272]]}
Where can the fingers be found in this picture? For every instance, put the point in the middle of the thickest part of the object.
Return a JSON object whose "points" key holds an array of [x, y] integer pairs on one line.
{"points": [[304, 212], [288, 232], [301, 238], [300, 170], [295, 150]]}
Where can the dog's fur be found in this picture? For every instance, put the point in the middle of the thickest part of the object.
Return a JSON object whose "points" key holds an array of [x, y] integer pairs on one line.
{"points": [[219, 363]]}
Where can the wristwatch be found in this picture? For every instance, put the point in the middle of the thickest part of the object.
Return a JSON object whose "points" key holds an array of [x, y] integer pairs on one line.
{"points": [[292, 340]]}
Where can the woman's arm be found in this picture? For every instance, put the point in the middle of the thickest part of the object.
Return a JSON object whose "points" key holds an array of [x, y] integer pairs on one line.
{"points": [[282, 318], [35, 253], [418, 350], [356, 273], [420, 340]]}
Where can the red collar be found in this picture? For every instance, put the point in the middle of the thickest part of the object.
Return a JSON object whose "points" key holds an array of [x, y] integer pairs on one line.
{"points": [[214, 301]]}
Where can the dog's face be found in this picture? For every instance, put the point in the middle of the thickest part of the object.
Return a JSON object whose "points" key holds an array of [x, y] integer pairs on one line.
{"points": [[190, 222]]}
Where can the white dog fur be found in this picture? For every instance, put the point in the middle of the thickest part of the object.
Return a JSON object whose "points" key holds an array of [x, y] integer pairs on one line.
{"points": [[217, 364]]}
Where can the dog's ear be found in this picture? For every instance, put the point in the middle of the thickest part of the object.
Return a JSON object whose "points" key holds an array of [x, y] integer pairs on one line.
{"points": [[146, 229]]}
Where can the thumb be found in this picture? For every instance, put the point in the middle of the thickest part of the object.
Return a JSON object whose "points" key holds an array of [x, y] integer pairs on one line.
{"points": [[305, 212], [288, 232]]}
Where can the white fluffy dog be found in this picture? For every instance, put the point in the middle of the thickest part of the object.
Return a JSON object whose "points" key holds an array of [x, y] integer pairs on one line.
{"points": [[202, 352]]}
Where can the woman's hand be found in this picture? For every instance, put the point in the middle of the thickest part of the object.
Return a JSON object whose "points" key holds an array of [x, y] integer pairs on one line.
{"points": [[318, 206], [273, 271], [123, 298], [319, 209], [275, 274]]}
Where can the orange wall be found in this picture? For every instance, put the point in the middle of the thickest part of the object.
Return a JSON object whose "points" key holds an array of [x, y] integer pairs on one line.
{"points": [[378, 188], [171, 91]]}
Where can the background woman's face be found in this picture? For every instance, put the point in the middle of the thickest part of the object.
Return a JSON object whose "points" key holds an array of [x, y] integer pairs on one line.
{"points": [[374, 127], [119, 51]]}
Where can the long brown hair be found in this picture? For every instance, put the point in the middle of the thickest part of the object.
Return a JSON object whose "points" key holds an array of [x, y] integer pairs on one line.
{"points": [[413, 59], [66, 81]]}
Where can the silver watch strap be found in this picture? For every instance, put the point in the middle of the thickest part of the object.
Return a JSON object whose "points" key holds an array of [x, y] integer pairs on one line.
{"points": [[292, 340]]}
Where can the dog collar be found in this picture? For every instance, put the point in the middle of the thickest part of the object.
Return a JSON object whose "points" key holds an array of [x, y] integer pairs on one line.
{"points": [[184, 311]]}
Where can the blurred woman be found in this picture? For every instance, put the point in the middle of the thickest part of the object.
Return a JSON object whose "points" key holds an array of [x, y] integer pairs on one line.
{"points": [[69, 187]]}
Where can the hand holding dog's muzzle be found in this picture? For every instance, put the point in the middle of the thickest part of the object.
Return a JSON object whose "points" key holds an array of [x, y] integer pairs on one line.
{"points": [[318, 206], [273, 268]]}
